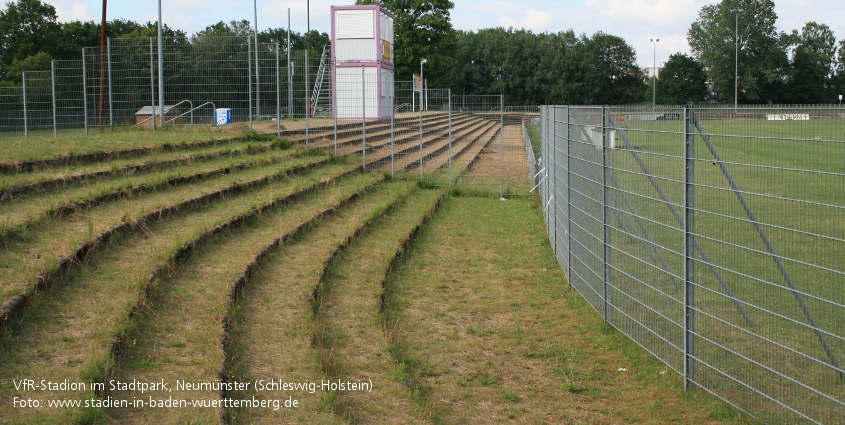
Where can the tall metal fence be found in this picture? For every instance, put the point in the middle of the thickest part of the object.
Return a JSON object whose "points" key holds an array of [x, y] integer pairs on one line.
{"points": [[120, 85], [713, 237]]}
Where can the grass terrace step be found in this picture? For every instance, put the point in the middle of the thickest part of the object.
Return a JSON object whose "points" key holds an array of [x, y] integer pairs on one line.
{"points": [[69, 334], [180, 334], [352, 341], [30, 258], [14, 185], [272, 334], [21, 155], [66, 200]]}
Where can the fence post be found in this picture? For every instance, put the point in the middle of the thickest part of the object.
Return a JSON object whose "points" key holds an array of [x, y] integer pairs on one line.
{"points": [[553, 163], [249, 83], [152, 83], [23, 99], [450, 137], [53, 91], [689, 247], [278, 95], [568, 197], [605, 164], [501, 146], [85, 93], [364, 117], [392, 140], [111, 98]]}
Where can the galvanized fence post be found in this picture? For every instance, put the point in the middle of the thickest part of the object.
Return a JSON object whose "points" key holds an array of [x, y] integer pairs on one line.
{"points": [[111, 98], [53, 91], [85, 92], [249, 84], [568, 139], [152, 83], [23, 99], [364, 117], [392, 141], [605, 164], [450, 137], [689, 250], [278, 95], [501, 146], [552, 136]]}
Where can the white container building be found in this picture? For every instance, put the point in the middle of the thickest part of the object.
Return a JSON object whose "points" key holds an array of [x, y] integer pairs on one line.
{"points": [[362, 62]]}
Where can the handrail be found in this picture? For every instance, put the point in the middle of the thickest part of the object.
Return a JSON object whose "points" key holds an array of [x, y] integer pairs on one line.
{"points": [[191, 111], [213, 107]]}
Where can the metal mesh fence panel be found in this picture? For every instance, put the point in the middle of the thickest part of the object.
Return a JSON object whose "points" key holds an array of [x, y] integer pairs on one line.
{"points": [[70, 110], [11, 112], [712, 237]]}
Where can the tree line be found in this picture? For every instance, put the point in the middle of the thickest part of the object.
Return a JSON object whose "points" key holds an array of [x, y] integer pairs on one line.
{"points": [[803, 66]]}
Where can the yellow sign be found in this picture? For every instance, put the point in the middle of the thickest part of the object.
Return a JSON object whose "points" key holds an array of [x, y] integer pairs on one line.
{"points": [[386, 52]]}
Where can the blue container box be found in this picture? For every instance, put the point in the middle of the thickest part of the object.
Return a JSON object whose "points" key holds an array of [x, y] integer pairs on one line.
{"points": [[223, 116]]}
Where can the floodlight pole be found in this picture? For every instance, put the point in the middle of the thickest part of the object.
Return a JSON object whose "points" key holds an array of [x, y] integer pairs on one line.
{"points": [[736, 12], [654, 42]]}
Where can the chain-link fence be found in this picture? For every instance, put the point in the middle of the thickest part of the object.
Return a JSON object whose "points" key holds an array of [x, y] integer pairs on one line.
{"points": [[713, 237]]}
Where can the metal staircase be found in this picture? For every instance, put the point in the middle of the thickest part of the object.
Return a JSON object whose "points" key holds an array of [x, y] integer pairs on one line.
{"points": [[320, 96]]}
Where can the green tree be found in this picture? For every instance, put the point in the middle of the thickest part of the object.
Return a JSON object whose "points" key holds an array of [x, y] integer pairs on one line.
{"points": [[621, 77], [27, 27], [682, 80], [763, 63], [39, 62], [423, 30], [813, 64]]}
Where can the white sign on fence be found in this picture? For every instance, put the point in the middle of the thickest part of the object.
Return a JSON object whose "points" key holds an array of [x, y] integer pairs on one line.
{"points": [[788, 117]]}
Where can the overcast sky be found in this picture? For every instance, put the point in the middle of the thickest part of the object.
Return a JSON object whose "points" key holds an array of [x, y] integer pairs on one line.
{"points": [[634, 20]]}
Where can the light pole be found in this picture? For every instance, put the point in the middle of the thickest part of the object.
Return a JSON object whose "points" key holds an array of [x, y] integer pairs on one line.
{"points": [[654, 42], [736, 59]]}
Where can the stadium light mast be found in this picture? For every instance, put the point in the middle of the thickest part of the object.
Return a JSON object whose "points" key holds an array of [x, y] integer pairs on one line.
{"points": [[654, 42], [736, 12]]}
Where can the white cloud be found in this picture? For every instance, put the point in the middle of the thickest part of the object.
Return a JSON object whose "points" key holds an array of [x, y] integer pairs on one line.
{"points": [[531, 19], [656, 12], [71, 10]]}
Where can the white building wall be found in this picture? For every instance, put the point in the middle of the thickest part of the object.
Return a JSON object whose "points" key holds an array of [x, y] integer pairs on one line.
{"points": [[349, 86]]}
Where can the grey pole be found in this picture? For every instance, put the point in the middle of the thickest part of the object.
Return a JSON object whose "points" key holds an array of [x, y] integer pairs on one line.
{"points": [[605, 163], [25, 125], [152, 84], [278, 95], [736, 59], [257, 66], [392, 140], [689, 252], [450, 137], [84, 92], [111, 98], [53, 84], [654, 42], [249, 78], [363, 118], [160, 69], [422, 62], [290, 73], [501, 146]]}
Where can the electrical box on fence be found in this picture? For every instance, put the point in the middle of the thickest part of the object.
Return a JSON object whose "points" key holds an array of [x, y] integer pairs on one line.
{"points": [[362, 62], [223, 116]]}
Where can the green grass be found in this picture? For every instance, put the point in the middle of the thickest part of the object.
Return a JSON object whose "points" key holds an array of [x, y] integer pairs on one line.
{"points": [[120, 138], [794, 188], [497, 336]]}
